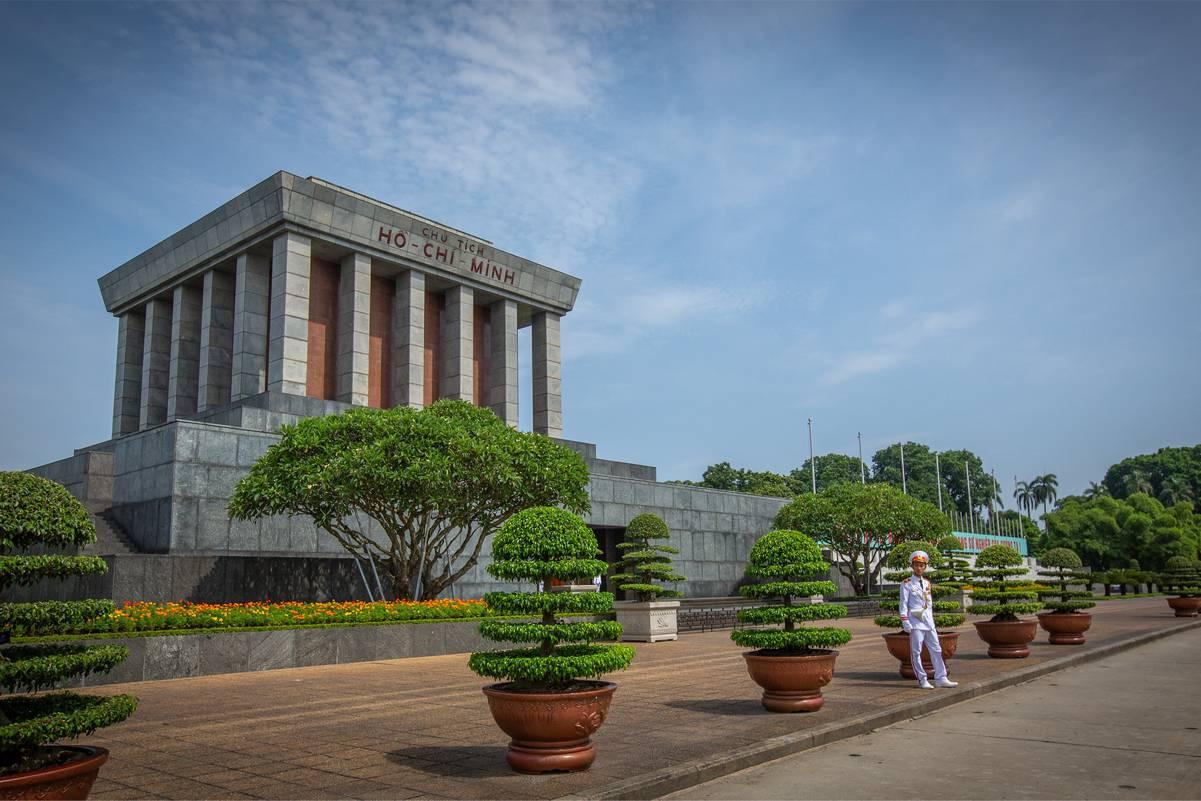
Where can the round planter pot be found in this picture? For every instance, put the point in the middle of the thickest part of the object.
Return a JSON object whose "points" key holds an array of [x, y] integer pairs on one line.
{"points": [[550, 731], [1008, 639], [1186, 606], [898, 646], [1065, 628], [791, 683], [68, 780]]}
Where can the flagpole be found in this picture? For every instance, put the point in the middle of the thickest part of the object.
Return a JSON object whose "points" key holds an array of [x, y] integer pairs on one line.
{"points": [[967, 475], [862, 469], [904, 485], [812, 462], [938, 471]]}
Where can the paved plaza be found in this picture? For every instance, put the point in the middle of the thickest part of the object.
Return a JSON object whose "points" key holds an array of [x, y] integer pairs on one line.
{"points": [[1122, 727], [685, 712]]}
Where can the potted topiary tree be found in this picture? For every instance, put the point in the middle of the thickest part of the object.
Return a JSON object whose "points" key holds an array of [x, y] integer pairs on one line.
{"points": [[37, 512], [549, 705], [1065, 622], [793, 664], [947, 613], [994, 593], [1182, 581], [643, 562]]}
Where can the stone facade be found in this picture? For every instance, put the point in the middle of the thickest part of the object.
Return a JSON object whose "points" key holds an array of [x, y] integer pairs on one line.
{"points": [[300, 298]]}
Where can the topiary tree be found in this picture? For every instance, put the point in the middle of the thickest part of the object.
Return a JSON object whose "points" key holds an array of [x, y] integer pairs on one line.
{"points": [[540, 544], [643, 562], [37, 512], [789, 565], [947, 614], [437, 483], [1065, 570], [955, 571], [1181, 577], [994, 593]]}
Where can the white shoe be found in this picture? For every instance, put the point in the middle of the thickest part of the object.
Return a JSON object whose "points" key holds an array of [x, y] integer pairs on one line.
{"points": [[945, 683], [925, 685]]}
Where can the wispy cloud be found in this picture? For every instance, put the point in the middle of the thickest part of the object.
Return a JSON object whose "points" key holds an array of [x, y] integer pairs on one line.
{"points": [[907, 338], [600, 327], [489, 102]]}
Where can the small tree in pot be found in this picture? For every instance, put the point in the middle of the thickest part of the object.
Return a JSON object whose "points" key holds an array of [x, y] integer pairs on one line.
{"points": [[947, 612], [792, 664], [1182, 580], [37, 512], [643, 563], [548, 705], [1066, 622], [996, 594]]}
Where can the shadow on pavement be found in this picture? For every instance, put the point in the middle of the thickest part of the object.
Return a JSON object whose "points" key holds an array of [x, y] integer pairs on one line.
{"points": [[721, 706], [457, 760]]}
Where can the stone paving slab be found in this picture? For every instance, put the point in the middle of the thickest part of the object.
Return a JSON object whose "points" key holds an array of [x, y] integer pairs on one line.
{"points": [[685, 712]]}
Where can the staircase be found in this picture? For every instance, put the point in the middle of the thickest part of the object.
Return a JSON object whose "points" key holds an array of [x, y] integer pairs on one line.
{"points": [[111, 537]]}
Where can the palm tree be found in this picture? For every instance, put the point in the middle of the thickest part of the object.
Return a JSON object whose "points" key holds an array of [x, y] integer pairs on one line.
{"points": [[1024, 495], [1137, 481], [1095, 491], [1175, 489], [1046, 489]]}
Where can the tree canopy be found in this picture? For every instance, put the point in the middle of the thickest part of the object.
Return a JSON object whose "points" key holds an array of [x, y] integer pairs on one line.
{"points": [[435, 482], [1108, 532], [1170, 474], [862, 522]]}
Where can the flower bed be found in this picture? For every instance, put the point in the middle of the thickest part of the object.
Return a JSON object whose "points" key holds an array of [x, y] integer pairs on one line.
{"points": [[143, 617]]}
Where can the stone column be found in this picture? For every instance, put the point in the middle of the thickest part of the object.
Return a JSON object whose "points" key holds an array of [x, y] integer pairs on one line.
{"points": [[252, 292], [502, 384], [156, 363], [408, 341], [127, 392], [288, 343], [457, 372], [548, 384], [354, 329], [216, 340], [183, 380]]}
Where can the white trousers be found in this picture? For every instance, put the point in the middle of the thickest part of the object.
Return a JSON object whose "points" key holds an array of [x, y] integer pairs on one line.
{"points": [[918, 637]]}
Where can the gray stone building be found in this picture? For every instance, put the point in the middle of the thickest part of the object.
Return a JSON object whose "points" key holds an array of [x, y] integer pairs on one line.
{"points": [[301, 298]]}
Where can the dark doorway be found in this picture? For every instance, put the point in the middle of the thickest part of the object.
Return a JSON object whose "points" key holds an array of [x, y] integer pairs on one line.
{"points": [[607, 538]]}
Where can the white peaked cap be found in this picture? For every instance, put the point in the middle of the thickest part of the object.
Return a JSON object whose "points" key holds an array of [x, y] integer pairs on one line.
{"points": [[925, 557]]}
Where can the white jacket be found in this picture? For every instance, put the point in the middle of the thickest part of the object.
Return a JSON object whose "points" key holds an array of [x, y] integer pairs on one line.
{"points": [[917, 604]]}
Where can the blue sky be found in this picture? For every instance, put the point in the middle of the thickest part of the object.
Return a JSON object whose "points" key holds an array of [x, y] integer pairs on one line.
{"points": [[971, 225]]}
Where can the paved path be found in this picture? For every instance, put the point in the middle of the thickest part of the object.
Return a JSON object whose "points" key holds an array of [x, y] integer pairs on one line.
{"points": [[420, 727], [1127, 726]]}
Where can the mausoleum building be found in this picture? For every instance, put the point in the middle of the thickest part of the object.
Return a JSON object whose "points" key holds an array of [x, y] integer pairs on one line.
{"points": [[297, 298]]}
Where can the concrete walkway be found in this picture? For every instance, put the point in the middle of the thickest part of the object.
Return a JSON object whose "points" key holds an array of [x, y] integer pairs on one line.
{"points": [[1127, 726], [684, 713]]}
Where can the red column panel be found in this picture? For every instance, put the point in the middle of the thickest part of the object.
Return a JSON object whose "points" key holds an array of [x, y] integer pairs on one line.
{"points": [[433, 345], [379, 368], [323, 330]]}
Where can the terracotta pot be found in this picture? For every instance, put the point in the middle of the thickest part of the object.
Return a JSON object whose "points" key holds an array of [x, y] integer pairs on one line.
{"points": [[68, 780], [791, 683], [1007, 639], [550, 731], [1066, 628], [1186, 606], [898, 646]]}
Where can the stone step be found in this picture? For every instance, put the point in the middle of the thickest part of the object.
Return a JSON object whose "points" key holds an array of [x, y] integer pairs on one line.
{"points": [[111, 538]]}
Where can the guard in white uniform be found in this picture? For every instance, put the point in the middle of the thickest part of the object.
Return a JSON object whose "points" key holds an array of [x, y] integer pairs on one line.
{"points": [[917, 618]]}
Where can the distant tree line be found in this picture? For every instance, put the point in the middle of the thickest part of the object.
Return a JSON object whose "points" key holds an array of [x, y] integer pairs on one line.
{"points": [[962, 474]]}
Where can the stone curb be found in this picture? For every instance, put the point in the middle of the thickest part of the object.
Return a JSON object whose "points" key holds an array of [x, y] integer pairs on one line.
{"points": [[689, 774]]}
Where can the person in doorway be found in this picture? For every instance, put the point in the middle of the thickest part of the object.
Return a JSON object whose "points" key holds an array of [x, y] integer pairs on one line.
{"points": [[917, 618]]}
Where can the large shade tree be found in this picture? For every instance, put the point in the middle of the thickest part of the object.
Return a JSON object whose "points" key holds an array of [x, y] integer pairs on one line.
{"points": [[1108, 533], [861, 523], [435, 482]]}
